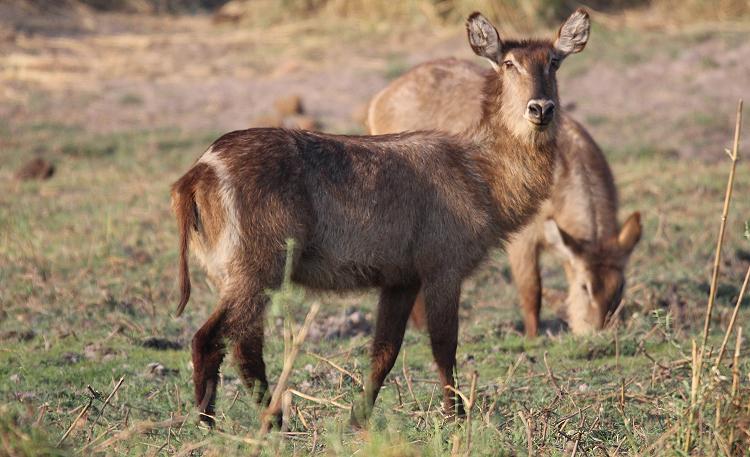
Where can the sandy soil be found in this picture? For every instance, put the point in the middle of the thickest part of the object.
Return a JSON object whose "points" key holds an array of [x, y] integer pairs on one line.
{"points": [[637, 93]]}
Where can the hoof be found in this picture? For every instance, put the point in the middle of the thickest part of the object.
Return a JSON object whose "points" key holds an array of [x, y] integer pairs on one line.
{"points": [[359, 417], [276, 420], [206, 419], [455, 410], [357, 423], [206, 405], [460, 412]]}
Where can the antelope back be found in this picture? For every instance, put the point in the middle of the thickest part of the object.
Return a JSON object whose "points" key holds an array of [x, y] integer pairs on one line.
{"points": [[438, 95]]}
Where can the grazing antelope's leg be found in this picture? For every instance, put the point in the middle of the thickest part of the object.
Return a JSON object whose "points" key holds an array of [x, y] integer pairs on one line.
{"points": [[248, 352], [418, 313], [393, 313], [523, 255], [208, 352], [441, 303]]}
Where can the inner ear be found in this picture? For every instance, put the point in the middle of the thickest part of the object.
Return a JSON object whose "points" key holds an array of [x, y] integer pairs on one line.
{"points": [[483, 38], [573, 34]]}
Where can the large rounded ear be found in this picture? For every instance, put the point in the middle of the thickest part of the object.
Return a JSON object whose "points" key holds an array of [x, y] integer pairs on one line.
{"points": [[630, 233], [562, 241], [574, 33], [483, 37]]}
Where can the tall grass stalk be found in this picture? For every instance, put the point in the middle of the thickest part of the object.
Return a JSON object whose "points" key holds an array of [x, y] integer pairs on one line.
{"points": [[698, 356]]}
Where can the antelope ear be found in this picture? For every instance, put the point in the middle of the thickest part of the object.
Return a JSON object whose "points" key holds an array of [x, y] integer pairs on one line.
{"points": [[630, 233], [574, 33], [563, 242], [483, 38]]}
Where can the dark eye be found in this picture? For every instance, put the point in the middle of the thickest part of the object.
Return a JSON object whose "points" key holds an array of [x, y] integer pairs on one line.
{"points": [[508, 64], [554, 63]]}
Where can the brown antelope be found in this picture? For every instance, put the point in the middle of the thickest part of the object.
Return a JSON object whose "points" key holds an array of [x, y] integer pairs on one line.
{"points": [[401, 212], [579, 220]]}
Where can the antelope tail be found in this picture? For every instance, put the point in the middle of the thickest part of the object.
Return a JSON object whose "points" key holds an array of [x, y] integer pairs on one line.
{"points": [[183, 204]]}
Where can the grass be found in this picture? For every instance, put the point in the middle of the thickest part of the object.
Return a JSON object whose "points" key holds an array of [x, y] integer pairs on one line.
{"points": [[130, 100], [88, 261], [396, 65]]}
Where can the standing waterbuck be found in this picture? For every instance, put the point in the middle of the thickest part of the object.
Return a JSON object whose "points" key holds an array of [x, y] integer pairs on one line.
{"points": [[401, 212], [579, 220]]}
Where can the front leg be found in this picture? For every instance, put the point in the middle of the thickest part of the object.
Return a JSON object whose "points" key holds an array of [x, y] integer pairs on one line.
{"points": [[441, 304], [393, 313], [523, 254]]}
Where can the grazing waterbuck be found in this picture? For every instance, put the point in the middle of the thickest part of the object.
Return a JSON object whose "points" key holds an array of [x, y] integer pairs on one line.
{"points": [[401, 212], [578, 221]]}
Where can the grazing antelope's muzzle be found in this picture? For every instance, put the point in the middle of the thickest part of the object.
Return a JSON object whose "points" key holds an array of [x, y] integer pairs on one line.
{"points": [[540, 112]]}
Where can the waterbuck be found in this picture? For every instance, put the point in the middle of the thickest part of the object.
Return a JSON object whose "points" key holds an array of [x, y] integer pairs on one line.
{"points": [[578, 221], [401, 212]]}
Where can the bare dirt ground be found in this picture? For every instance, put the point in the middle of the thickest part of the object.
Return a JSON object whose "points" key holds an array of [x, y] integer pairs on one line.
{"points": [[638, 92]]}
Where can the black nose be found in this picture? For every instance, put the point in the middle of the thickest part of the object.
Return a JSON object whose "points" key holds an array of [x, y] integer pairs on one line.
{"points": [[540, 111], [548, 111], [535, 111]]}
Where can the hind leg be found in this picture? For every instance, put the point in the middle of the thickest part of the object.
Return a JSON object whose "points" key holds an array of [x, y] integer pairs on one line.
{"points": [[248, 353], [208, 353], [441, 305], [393, 313], [245, 321]]}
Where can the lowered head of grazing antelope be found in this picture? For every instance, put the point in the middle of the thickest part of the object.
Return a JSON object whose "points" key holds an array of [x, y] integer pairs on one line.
{"points": [[525, 89], [595, 271]]}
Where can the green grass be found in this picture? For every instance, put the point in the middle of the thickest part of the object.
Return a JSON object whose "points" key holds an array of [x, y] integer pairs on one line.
{"points": [[88, 266], [396, 65], [130, 100]]}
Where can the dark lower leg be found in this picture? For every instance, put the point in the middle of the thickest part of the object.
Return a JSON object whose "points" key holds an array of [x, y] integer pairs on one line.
{"points": [[393, 313], [442, 323], [208, 353], [248, 352]]}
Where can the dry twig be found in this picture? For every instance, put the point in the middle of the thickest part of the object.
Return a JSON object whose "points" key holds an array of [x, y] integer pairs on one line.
{"points": [[109, 397], [732, 321], [529, 435], [734, 155], [274, 408], [337, 367], [321, 401], [75, 421], [552, 377], [698, 358]]}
